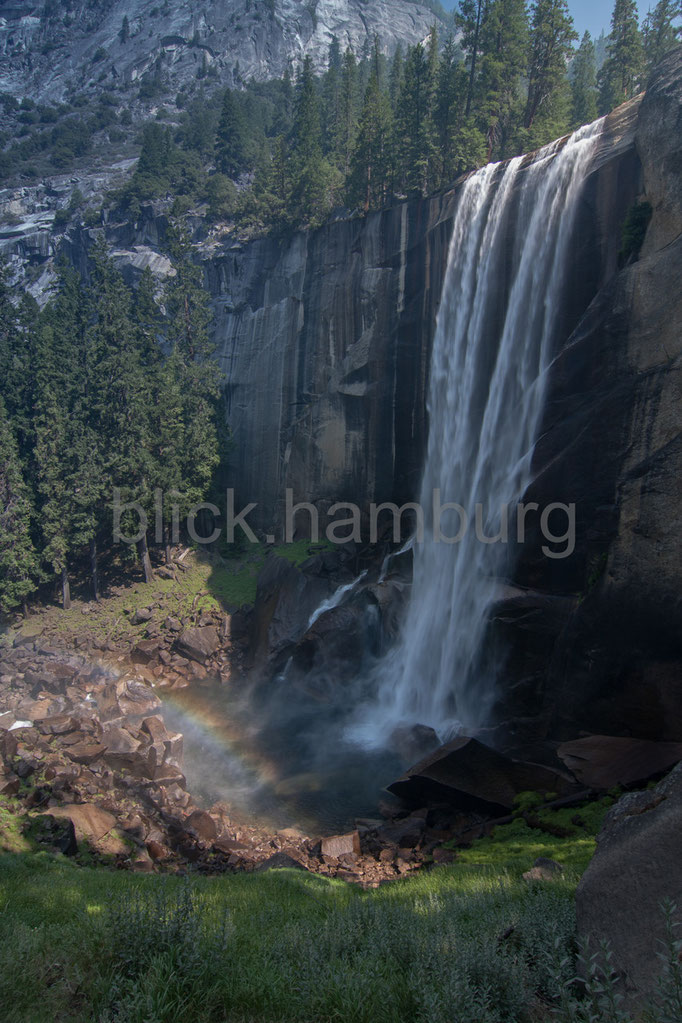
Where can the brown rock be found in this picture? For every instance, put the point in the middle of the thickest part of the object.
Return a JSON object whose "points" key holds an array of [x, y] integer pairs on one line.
{"points": [[544, 870], [468, 774], [604, 761], [341, 845], [86, 752], [90, 822], [203, 825], [199, 644], [145, 652], [142, 615]]}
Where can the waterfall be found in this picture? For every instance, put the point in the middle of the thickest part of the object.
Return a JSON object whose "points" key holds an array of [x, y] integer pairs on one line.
{"points": [[495, 337], [337, 598]]}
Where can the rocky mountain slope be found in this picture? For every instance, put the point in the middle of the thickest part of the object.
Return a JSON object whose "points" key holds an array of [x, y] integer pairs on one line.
{"points": [[52, 50]]}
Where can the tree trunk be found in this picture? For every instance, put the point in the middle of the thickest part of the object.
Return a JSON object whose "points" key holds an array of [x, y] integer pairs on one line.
{"points": [[145, 559], [94, 575], [166, 542], [66, 590]]}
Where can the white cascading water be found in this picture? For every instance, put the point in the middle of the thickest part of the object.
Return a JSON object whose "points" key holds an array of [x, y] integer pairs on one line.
{"points": [[493, 344], [336, 599]]}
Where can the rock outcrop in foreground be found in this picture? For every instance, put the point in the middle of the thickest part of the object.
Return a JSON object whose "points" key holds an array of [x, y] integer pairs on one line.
{"points": [[636, 868]]}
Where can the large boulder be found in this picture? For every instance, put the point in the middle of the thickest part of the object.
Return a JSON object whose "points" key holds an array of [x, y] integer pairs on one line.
{"points": [[604, 761], [286, 598], [469, 775], [199, 644], [637, 865]]}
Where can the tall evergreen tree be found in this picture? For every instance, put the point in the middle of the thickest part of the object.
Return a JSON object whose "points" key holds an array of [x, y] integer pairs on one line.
{"points": [[584, 83], [414, 122], [371, 163], [344, 135], [395, 79], [332, 92], [231, 137], [469, 20], [504, 37], [310, 172], [551, 43], [18, 560], [449, 115], [119, 407], [621, 74], [192, 374], [661, 30], [53, 457]]}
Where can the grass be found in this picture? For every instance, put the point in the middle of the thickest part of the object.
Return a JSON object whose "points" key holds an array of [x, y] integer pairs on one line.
{"points": [[515, 844], [470, 941], [207, 585], [78, 944]]}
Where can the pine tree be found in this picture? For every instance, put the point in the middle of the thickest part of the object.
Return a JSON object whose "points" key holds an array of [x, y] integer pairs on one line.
{"points": [[584, 83], [414, 122], [124, 31], [371, 162], [18, 560], [231, 137], [450, 110], [395, 79], [660, 33], [551, 44], [344, 134], [52, 454], [63, 448], [503, 44], [310, 172], [192, 373], [115, 411], [332, 92], [620, 77], [469, 20]]}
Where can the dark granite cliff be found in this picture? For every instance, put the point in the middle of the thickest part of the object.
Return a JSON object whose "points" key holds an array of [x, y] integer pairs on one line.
{"points": [[325, 339], [608, 657]]}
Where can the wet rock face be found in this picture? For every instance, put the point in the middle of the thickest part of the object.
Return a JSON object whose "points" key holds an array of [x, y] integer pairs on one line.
{"points": [[325, 344], [611, 444]]}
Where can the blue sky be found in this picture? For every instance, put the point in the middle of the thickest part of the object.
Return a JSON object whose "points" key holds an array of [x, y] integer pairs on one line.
{"points": [[593, 15]]}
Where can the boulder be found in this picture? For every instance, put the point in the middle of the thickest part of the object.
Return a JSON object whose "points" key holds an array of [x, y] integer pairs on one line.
{"points": [[544, 869], [145, 652], [135, 698], [280, 861], [603, 761], [199, 644], [203, 825], [90, 822], [467, 774], [142, 615], [341, 845], [404, 833], [637, 865], [412, 742], [59, 724], [86, 752]]}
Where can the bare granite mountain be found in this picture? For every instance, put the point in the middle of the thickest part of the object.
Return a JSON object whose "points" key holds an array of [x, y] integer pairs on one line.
{"points": [[55, 48]]}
